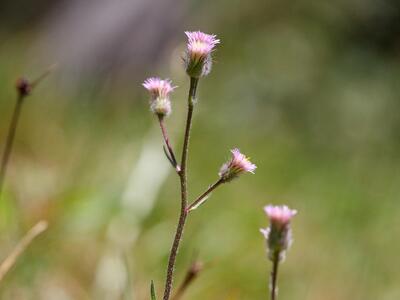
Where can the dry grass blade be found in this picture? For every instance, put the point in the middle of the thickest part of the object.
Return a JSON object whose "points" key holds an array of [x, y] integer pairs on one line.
{"points": [[7, 264]]}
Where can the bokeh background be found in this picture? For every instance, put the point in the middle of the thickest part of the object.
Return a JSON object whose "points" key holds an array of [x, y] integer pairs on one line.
{"points": [[309, 89]]}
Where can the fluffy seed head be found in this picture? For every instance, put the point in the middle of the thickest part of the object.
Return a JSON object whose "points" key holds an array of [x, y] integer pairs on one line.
{"points": [[198, 60], [159, 90], [238, 164]]}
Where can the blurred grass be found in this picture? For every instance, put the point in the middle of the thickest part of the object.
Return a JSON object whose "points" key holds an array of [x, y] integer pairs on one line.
{"points": [[304, 92]]}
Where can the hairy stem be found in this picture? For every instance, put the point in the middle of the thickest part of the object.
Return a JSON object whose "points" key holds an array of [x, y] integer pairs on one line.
{"points": [[274, 276], [184, 202], [10, 140], [203, 197]]}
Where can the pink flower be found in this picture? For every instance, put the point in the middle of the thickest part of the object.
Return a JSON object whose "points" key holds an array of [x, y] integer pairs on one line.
{"points": [[279, 215], [158, 87], [159, 95], [278, 234], [238, 164], [198, 59], [201, 44]]}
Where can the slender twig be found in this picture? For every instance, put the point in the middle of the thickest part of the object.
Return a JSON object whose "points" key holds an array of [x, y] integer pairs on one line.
{"points": [[171, 156], [203, 197], [191, 274], [184, 202], [10, 139], [24, 88], [7, 264], [274, 276]]}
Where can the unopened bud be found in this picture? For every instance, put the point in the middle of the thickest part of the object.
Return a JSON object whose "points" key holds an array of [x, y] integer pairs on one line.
{"points": [[23, 86]]}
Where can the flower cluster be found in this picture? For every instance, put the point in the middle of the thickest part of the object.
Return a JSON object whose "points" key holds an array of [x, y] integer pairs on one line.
{"points": [[278, 234], [159, 90], [238, 164], [198, 60]]}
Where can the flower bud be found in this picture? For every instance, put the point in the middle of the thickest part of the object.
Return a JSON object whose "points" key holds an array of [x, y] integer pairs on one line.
{"points": [[23, 87], [238, 164], [198, 60], [278, 234], [159, 95]]}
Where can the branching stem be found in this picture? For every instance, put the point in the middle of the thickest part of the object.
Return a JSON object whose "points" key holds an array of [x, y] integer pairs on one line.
{"points": [[183, 180]]}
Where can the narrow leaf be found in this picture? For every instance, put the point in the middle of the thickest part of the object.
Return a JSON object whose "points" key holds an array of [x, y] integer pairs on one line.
{"points": [[152, 291], [195, 205], [170, 159]]}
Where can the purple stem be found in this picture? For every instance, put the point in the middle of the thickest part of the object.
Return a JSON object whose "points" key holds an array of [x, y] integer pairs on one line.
{"points": [[167, 143], [10, 140]]}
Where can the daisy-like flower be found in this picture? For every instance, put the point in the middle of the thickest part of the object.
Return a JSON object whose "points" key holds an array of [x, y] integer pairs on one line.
{"points": [[238, 164], [159, 90], [278, 234], [198, 60]]}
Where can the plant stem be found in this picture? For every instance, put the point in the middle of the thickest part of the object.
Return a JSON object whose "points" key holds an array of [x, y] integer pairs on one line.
{"points": [[274, 276], [10, 140], [183, 180], [203, 196], [167, 143]]}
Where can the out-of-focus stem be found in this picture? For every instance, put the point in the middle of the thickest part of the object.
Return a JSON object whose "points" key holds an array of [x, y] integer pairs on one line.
{"points": [[10, 140], [191, 275], [7, 264], [23, 91], [203, 197], [167, 143], [183, 180], [42, 76], [274, 276]]}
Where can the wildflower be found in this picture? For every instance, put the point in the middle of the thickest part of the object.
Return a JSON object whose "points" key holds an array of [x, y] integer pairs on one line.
{"points": [[278, 234], [198, 60], [159, 90], [238, 164]]}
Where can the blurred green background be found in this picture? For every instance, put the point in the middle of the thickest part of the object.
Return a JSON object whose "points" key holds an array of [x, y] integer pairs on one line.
{"points": [[309, 89]]}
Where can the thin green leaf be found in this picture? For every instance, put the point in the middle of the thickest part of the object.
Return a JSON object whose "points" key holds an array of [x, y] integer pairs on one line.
{"points": [[153, 291]]}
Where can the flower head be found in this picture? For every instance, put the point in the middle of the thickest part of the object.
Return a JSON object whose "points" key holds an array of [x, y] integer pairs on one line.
{"points": [[279, 215], [159, 90], [278, 234], [198, 60], [238, 164]]}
